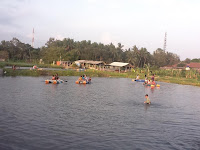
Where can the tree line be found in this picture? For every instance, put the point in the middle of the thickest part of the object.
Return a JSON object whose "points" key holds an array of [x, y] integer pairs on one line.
{"points": [[70, 50]]}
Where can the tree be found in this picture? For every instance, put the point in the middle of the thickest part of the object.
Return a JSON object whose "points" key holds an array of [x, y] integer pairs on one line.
{"points": [[195, 60], [72, 50], [17, 50], [4, 55], [187, 60]]}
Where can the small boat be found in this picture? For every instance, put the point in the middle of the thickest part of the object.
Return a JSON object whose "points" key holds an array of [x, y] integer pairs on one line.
{"points": [[54, 81], [83, 82], [138, 80]]}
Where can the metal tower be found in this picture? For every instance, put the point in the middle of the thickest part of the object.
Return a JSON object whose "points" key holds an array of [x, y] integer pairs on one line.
{"points": [[165, 42], [33, 38]]}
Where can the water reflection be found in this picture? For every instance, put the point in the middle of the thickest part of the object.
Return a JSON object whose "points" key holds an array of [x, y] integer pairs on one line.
{"points": [[146, 106]]}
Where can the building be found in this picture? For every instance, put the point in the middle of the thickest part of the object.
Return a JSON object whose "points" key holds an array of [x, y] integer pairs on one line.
{"points": [[120, 66], [63, 63], [99, 65], [194, 65]]}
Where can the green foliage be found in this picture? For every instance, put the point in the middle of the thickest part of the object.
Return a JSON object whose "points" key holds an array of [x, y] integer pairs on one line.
{"points": [[193, 74], [17, 50], [163, 58], [4, 54], [187, 61], [70, 50], [24, 64], [196, 60]]}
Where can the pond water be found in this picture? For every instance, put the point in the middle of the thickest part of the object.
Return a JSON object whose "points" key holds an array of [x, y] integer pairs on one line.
{"points": [[107, 114]]}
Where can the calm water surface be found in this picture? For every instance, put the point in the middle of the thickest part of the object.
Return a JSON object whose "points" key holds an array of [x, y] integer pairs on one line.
{"points": [[107, 114]]}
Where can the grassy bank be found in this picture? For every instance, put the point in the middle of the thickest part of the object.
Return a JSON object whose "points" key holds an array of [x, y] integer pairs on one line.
{"points": [[24, 64], [91, 73], [183, 81], [160, 76]]}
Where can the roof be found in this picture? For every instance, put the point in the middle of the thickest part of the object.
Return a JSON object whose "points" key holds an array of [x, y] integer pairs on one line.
{"points": [[89, 62], [118, 64], [93, 62], [194, 65]]}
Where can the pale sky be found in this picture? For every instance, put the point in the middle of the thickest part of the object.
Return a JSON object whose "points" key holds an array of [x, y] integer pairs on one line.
{"points": [[132, 22]]}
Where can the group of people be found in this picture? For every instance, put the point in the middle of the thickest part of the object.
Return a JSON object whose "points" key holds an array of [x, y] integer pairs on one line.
{"points": [[152, 78], [150, 82], [55, 77], [84, 78]]}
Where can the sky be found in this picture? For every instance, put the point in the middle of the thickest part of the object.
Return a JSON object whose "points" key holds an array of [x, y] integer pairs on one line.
{"points": [[131, 22]]}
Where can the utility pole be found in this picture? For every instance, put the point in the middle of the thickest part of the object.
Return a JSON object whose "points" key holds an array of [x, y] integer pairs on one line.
{"points": [[33, 38], [32, 44], [165, 42]]}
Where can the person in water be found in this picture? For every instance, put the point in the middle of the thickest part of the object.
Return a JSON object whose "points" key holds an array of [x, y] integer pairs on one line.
{"points": [[80, 78], [145, 79], [147, 99], [53, 77], [153, 77], [83, 78], [138, 77], [153, 83], [56, 77], [149, 82], [86, 78]]}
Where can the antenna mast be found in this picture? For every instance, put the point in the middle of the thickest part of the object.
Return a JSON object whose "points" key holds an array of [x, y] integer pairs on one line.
{"points": [[165, 42], [33, 38]]}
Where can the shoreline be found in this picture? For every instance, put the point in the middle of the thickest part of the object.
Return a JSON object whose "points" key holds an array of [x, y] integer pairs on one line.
{"points": [[97, 73]]}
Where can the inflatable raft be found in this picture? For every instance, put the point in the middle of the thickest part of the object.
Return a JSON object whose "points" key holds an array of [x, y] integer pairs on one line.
{"points": [[83, 82], [151, 85], [138, 80], [54, 81]]}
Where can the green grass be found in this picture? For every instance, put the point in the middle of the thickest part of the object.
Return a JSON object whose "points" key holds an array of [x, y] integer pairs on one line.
{"points": [[24, 64], [178, 80]]}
